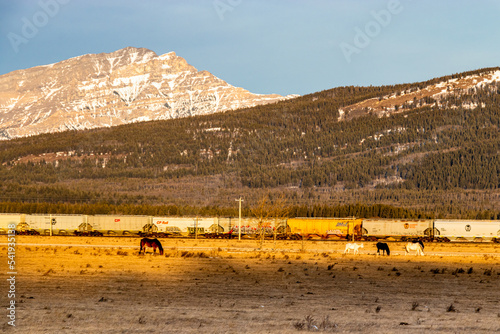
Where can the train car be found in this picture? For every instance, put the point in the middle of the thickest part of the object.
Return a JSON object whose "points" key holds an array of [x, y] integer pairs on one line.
{"points": [[325, 228], [184, 225], [253, 227], [467, 230], [231, 227], [229, 224], [7, 220], [118, 224], [53, 224], [398, 229]]}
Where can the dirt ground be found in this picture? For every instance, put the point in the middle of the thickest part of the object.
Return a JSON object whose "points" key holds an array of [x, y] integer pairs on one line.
{"points": [[102, 285]]}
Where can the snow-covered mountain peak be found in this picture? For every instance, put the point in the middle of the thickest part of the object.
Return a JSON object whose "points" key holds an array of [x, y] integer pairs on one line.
{"points": [[108, 89]]}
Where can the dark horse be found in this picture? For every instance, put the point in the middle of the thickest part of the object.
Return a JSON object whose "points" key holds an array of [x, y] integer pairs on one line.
{"points": [[384, 247], [153, 243]]}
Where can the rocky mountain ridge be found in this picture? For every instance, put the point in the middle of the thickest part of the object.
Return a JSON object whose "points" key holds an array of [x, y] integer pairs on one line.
{"points": [[428, 95], [103, 90]]}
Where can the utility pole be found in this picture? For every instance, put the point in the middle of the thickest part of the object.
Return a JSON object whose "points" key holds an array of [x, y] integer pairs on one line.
{"points": [[196, 227], [239, 219]]}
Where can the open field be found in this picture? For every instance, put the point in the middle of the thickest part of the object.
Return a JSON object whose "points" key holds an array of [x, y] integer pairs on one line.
{"points": [[102, 285]]}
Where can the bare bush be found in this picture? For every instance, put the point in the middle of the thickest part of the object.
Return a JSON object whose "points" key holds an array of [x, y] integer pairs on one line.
{"points": [[309, 324]]}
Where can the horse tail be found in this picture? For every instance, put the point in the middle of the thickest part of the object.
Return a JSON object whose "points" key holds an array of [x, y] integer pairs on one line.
{"points": [[421, 244], [388, 250], [142, 245]]}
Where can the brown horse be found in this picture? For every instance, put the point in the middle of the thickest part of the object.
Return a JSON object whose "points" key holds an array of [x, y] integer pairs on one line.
{"points": [[153, 243]]}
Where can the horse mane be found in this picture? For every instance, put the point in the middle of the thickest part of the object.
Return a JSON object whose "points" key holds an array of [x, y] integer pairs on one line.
{"points": [[419, 242]]}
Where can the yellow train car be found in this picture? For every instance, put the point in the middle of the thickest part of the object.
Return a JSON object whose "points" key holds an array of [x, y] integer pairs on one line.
{"points": [[325, 228]]}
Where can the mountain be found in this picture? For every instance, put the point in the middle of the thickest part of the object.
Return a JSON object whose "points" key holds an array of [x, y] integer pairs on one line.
{"points": [[430, 146], [425, 94], [104, 90]]}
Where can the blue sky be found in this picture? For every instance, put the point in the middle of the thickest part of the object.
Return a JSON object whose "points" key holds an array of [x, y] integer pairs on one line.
{"points": [[265, 46]]}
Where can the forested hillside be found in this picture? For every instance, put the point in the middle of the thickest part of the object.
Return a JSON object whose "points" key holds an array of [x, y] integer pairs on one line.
{"points": [[440, 158]]}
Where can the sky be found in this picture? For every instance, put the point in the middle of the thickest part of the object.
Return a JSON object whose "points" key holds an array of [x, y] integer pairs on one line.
{"points": [[265, 46]]}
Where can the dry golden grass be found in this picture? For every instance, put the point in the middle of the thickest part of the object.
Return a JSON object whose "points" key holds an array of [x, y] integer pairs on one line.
{"points": [[102, 285]]}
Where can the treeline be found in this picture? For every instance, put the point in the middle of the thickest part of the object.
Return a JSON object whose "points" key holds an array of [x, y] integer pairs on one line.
{"points": [[33, 193], [325, 211]]}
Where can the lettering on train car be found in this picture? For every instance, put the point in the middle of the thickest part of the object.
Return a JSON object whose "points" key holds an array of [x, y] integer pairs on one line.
{"points": [[165, 222]]}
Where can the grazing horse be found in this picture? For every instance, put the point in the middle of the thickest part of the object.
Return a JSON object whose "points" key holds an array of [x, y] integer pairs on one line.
{"points": [[417, 246], [153, 243], [352, 246], [419, 242], [382, 246]]}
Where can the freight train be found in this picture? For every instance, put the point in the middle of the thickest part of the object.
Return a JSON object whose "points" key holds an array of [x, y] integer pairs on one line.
{"points": [[216, 227]]}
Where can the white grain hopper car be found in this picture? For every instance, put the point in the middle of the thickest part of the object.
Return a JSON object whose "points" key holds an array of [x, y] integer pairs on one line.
{"points": [[467, 230], [250, 226], [396, 228], [185, 225], [59, 224], [7, 219], [118, 224]]}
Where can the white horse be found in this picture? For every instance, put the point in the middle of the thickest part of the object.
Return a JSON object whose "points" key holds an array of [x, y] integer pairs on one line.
{"points": [[414, 247], [353, 246]]}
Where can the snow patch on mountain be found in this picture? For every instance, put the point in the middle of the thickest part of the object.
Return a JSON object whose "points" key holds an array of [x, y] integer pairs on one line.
{"points": [[387, 105]]}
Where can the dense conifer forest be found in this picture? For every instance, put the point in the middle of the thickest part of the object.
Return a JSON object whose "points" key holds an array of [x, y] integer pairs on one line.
{"points": [[427, 160]]}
